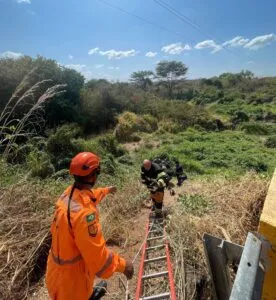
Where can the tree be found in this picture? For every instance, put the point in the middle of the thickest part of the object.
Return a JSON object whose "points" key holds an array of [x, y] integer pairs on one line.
{"points": [[170, 72], [142, 79], [29, 71]]}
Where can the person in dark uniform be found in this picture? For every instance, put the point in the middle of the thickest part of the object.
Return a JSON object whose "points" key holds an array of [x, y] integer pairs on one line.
{"points": [[155, 177]]}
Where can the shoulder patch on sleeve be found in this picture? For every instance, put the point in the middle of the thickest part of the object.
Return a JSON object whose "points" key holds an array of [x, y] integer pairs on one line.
{"points": [[93, 230], [90, 218]]}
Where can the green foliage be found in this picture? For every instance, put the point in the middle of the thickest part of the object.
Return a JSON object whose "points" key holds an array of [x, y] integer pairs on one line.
{"points": [[39, 163], [125, 160], [109, 144], [143, 79], [98, 109], [108, 164], [170, 126], [62, 145], [270, 142], [61, 174], [61, 108], [169, 72], [196, 204], [255, 128], [226, 152], [130, 123]]}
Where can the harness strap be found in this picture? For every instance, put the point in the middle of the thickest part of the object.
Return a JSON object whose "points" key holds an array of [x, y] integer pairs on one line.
{"points": [[68, 207]]}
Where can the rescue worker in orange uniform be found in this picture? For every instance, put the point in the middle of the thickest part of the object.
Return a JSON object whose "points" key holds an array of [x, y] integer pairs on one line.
{"points": [[78, 251]]}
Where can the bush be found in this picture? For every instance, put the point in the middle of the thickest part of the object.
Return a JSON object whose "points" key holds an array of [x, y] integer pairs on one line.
{"points": [[255, 128], [254, 163], [240, 116], [271, 142], [39, 164], [109, 144], [62, 145], [108, 164], [169, 126], [193, 166], [196, 204], [126, 160], [130, 123], [64, 173]]}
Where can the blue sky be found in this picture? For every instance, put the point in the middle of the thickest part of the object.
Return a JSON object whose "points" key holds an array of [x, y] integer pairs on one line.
{"points": [[209, 36]]}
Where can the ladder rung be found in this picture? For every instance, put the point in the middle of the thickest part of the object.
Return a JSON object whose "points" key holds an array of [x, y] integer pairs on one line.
{"points": [[154, 247], [155, 259], [156, 230], [154, 275], [156, 238], [156, 224], [155, 297]]}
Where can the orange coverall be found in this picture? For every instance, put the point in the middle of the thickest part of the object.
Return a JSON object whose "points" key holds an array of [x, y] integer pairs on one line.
{"points": [[79, 254]]}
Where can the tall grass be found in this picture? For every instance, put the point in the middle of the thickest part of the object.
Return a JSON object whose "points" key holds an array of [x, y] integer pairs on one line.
{"points": [[33, 97]]}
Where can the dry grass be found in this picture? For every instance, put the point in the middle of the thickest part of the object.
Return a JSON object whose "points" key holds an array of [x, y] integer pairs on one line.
{"points": [[236, 208], [24, 238], [25, 212], [119, 209]]}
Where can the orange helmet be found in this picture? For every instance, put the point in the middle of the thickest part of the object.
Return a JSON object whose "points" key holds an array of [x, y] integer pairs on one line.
{"points": [[84, 164]]}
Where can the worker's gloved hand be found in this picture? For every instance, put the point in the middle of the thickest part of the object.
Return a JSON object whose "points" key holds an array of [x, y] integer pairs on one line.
{"points": [[112, 189], [129, 270]]}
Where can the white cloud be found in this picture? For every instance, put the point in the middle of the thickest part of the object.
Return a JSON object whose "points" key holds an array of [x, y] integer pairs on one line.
{"points": [[251, 62], [93, 51], [23, 1], [176, 48], [208, 44], [98, 66], [151, 54], [83, 69], [77, 67], [238, 41], [70, 56], [113, 68], [260, 41], [114, 54], [10, 54]]}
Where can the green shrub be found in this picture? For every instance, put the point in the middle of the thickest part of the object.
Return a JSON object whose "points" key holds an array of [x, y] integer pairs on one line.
{"points": [[125, 159], [169, 126], [109, 144], [254, 163], [63, 145], [152, 122], [271, 142], [108, 164], [193, 166], [129, 123], [240, 116], [39, 164], [196, 204], [64, 173], [255, 128]]}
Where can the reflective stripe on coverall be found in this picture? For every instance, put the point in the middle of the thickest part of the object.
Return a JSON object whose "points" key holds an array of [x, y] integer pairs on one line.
{"points": [[79, 254]]}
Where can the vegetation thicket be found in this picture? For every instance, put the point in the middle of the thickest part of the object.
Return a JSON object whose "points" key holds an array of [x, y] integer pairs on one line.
{"points": [[222, 129]]}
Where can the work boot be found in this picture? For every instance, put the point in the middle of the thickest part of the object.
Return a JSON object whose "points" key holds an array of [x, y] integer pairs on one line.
{"points": [[99, 290]]}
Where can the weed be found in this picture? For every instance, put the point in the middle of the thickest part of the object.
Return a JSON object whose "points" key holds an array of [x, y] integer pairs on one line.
{"points": [[196, 204], [271, 142]]}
